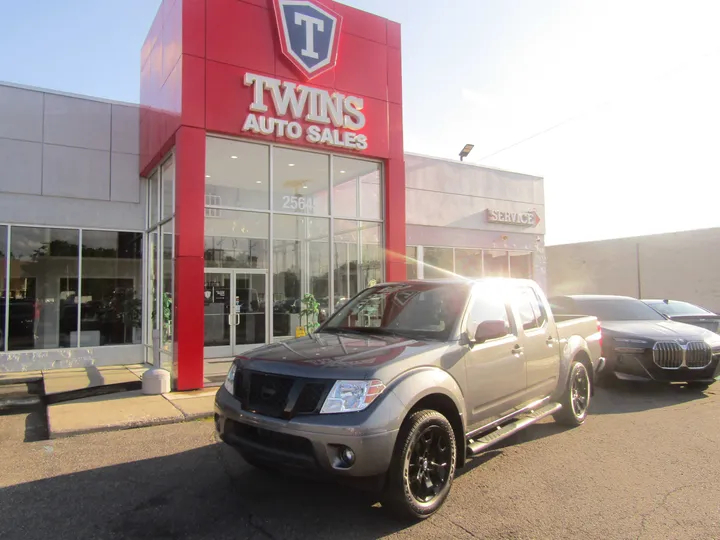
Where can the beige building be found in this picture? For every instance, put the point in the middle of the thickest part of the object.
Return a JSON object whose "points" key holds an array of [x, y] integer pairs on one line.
{"points": [[680, 266]]}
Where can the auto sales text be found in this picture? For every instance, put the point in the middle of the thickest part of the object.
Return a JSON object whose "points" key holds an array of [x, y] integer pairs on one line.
{"points": [[338, 117]]}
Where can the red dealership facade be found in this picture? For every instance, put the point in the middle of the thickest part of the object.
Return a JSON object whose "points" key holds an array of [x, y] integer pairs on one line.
{"points": [[246, 91]]}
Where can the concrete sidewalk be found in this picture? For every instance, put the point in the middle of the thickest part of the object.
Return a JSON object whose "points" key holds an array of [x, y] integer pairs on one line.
{"points": [[92, 399], [127, 410]]}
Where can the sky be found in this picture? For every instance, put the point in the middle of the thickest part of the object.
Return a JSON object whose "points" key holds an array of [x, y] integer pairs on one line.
{"points": [[615, 103]]}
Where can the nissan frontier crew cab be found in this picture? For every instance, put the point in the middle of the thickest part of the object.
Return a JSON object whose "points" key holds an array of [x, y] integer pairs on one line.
{"points": [[406, 381]]}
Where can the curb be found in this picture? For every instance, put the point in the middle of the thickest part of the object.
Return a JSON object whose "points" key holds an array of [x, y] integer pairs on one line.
{"points": [[130, 425]]}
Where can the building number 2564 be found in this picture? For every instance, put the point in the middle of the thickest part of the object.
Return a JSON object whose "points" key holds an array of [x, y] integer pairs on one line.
{"points": [[296, 202]]}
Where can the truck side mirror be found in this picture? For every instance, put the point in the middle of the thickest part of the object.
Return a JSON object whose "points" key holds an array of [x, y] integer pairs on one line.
{"points": [[488, 330]]}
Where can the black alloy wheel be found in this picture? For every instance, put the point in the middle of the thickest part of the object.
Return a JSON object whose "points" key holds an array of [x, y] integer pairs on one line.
{"points": [[429, 464], [423, 465], [580, 392], [576, 398]]}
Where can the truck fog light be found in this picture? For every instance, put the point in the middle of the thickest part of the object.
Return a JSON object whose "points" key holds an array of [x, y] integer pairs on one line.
{"points": [[347, 456]]}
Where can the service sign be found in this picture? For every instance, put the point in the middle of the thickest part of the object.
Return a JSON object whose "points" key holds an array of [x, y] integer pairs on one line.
{"points": [[520, 219], [278, 108]]}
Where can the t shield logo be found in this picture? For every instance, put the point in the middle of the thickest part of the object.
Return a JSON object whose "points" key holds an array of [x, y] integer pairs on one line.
{"points": [[309, 35]]}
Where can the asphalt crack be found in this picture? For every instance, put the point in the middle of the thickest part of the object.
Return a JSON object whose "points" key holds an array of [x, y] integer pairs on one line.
{"points": [[663, 502]]}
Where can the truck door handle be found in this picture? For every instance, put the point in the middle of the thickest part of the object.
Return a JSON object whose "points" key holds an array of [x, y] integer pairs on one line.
{"points": [[518, 350], [550, 341]]}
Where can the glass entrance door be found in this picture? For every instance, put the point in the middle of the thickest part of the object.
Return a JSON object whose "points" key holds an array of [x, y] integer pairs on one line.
{"points": [[235, 314]]}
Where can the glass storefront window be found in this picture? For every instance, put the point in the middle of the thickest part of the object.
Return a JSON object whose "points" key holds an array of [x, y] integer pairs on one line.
{"points": [[301, 265], [496, 263], [345, 187], [371, 253], [371, 192], [168, 188], [235, 239], [411, 262], [153, 196], [468, 263], [43, 288], [346, 261], [437, 262], [301, 182], [237, 174], [111, 304], [152, 255], [166, 301], [521, 265], [3, 283]]}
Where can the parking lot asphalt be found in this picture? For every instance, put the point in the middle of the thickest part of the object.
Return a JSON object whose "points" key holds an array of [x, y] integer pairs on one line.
{"points": [[643, 466]]}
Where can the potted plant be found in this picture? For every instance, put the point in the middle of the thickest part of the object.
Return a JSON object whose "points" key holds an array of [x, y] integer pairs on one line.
{"points": [[309, 313]]}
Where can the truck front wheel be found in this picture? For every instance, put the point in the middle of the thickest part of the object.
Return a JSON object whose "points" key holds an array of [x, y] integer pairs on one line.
{"points": [[423, 465]]}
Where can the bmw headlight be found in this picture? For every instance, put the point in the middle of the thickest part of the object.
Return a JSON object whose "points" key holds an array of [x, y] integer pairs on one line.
{"points": [[351, 396], [230, 379], [631, 341], [713, 342]]}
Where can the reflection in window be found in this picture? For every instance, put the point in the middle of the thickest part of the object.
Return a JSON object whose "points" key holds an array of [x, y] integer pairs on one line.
{"points": [[237, 240], [355, 241], [346, 262], [153, 269], [153, 196], [168, 188], [167, 236], [237, 174], [496, 263], [371, 270], [43, 288], [411, 262], [111, 304], [301, 258], [301, 182], [521, 265], [371, 192], [3, 280], [469, 263], [438, 262]]}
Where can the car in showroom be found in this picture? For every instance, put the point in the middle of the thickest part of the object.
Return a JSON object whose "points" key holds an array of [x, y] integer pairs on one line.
{"points": [[640, 344], [406, 381], [676, 310]]}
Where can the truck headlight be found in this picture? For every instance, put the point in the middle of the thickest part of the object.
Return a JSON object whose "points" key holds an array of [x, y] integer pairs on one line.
{"points": [[351, 396], [230, 379]]}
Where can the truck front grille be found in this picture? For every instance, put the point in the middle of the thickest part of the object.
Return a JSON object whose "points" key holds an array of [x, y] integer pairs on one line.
{"points": [[672, 355], [279, 397]]}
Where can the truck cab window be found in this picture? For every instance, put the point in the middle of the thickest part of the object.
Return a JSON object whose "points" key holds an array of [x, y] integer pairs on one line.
{"points": [[530, 310], [487, 307]]}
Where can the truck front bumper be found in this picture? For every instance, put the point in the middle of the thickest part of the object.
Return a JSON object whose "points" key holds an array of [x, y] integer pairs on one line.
{"points": [[307, 445]]}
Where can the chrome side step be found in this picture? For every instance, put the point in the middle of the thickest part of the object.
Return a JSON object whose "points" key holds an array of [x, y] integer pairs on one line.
{"points": [[475, 446]]}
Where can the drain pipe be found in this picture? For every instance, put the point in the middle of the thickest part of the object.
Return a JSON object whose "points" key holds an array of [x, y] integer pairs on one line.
{"points": [[156, 380]]}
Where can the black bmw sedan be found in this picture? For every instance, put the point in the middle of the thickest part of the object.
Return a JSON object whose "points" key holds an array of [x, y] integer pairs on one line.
{"points": [[639, 344]]}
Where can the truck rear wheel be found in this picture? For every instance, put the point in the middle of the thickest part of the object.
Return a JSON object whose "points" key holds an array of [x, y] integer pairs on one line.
{"points": [[423, 465], [576, 397]]}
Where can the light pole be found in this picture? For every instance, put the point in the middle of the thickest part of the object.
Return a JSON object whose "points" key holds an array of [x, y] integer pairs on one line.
{"points": [[466, 150]]}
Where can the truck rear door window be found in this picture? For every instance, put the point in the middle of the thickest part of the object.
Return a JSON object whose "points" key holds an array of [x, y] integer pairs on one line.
{"points": [[530, 310]]}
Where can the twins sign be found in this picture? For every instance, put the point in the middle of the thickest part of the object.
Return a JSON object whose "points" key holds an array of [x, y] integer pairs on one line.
{"points": [[334, 119], [309, 35]]}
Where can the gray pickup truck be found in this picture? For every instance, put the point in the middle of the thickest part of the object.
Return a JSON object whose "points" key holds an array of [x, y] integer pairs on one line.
{"points": [[406, 381]]}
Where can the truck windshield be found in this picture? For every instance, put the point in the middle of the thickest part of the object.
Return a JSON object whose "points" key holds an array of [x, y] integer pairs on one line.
{"points": [[414, 310]]}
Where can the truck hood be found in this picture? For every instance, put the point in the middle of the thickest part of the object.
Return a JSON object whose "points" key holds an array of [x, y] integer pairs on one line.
{"points": [[656, 330], [339, 356]]}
